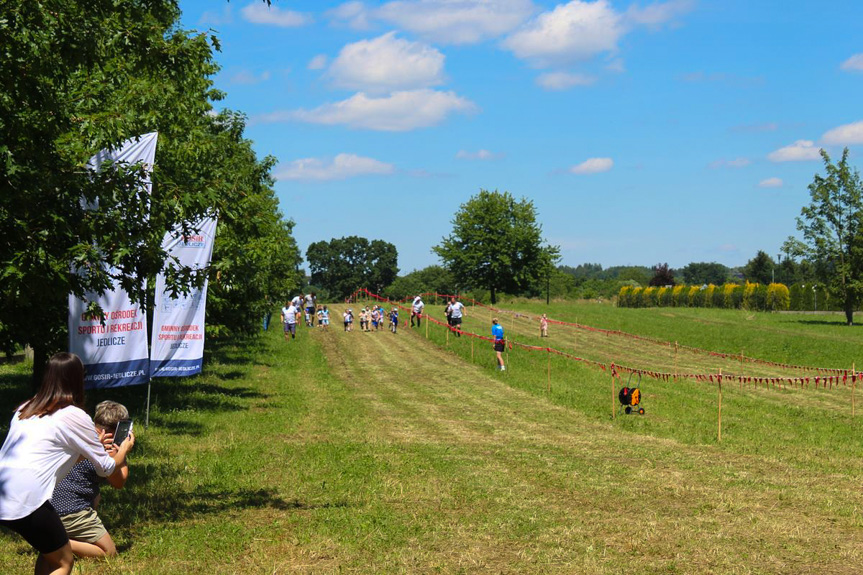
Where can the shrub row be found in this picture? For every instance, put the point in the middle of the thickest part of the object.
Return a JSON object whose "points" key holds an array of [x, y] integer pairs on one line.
{"points": [[773, 297]]}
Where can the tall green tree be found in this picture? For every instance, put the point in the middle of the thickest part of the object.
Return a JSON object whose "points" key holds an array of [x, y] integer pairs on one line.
{"points": [[704, 273], [760, 269], [496, 244], [832, 228], [345, 264], [75, 78]]}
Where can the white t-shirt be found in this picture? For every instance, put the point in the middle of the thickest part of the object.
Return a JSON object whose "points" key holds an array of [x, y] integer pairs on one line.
{"points": [[297, 302], [457, 308], [418, 305], [39, 451], [290, 314]]}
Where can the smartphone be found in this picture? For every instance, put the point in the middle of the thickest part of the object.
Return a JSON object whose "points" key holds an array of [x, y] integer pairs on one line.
{"points": [[124, 428]]}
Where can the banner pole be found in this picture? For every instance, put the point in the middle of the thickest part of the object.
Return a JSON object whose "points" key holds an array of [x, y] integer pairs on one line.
{"points": [[548, 387], [853, 385], [147, 417]]}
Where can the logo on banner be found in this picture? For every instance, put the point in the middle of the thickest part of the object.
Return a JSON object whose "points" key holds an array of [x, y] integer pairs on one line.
{"points": [[194, 241]]}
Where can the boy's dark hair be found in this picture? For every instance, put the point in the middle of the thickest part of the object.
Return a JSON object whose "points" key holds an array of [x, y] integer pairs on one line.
{"points": [[108, 413]]}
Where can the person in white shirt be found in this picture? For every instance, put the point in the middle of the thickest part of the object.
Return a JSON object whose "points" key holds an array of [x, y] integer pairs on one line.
{"points": [[417, 311], [456, 315], [289, 319], [47, 435]]}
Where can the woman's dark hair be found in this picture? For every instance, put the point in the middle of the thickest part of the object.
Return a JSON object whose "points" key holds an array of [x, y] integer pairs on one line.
{"points": [[62, 386]]}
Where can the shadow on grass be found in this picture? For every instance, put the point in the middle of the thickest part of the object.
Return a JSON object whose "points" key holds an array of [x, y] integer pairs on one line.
{"points": [[212, 392], [155, 496], [838, 323]]}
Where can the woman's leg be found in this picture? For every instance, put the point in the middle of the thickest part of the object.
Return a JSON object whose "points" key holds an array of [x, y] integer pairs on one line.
{"points": [[57, 562]]}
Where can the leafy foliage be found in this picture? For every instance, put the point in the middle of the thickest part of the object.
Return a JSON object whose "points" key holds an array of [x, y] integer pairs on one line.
{"points": [[77, 78], [496, 244], [760, 269], [429, 279], [704, 273], [662, 275], [345, 264], [832, 228]]}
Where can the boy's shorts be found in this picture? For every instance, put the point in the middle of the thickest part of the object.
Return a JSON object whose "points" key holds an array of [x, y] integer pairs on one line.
{"points": [[291, 328], [84, 526]]}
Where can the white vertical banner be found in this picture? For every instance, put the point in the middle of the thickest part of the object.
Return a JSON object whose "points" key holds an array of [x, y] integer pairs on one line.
{"points": [[177, 345], [113, 347]]}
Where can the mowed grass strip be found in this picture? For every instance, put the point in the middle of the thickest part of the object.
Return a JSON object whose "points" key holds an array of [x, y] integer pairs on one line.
{"points": [[539, 487], [376, 452]]}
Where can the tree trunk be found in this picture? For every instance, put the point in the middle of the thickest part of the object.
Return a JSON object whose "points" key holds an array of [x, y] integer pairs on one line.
{"points": [[493, 296], [849, 313], [40, 361]]}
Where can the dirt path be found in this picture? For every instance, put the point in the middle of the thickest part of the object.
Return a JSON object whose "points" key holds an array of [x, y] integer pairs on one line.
{"points": [[509, 482]]}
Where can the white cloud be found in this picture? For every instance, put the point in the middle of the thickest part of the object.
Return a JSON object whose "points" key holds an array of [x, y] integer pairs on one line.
{"points": [[341, 167], [658, 13], [387, 64], [478, 155], [563, 80], [799, 151], [260, 13], [770, 183], [574, 31], [352, 14], [854, 63], [846, 135], [579, 30], [398, 112], [593, 166], [248, 77], [456, 21], [319, 62], [735, 163]]}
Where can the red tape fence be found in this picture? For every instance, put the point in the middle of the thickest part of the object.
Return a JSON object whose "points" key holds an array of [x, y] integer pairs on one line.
{"points": [[833, 377]]}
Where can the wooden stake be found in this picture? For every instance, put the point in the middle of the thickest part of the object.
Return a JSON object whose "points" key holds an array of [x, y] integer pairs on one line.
{"points": [[548, 387], [508, 360], [613, 410], [427, 325], [853, 385], [719, 435], [471, 350], [676, 349], [742, 370], [447, 336]]}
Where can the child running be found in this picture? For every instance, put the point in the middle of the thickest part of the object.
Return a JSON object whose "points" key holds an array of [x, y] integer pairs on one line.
{"points": [[394, 319]]}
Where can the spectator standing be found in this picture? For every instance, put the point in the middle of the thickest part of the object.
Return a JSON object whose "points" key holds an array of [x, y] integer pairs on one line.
{"points": [[499, 342], [543, 326], [417, 311]]}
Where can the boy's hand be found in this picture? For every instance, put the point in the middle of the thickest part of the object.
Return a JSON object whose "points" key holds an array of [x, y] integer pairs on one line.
{"points": [[128, 443], [106, 438]]}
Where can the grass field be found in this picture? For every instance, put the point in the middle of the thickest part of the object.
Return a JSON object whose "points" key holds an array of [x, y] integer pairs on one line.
{"points": [[374, 452]]}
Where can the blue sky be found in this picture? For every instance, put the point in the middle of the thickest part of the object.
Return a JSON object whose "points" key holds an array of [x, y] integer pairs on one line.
{"points": [[675, 131]]}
